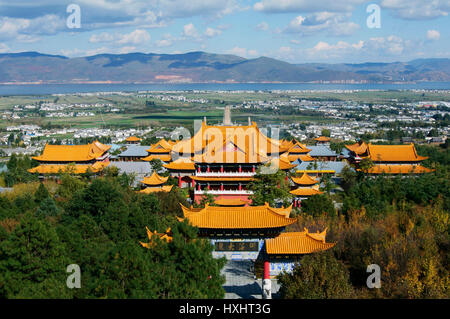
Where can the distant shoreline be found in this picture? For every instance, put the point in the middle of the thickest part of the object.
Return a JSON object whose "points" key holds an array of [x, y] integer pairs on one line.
{"points": [[48, 89]]}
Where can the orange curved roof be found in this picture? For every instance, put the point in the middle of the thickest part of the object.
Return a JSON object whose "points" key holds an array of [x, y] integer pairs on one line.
{"points": [[399, 169], [184, 164], [305, 179], [150, 190], [298, 148], [132, 139], [394, 153], [72, 153], [162, 146], [68, 168], [244, 137], [230, 202], [358, 148], [167, 236], [162, 157], [305, 191], [281, 163], [322, 139], [298, 243], [248, 217], [154, 179]]}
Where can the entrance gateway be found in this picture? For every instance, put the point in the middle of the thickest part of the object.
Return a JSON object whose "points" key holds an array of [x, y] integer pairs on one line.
{"points": [[255, 233]]}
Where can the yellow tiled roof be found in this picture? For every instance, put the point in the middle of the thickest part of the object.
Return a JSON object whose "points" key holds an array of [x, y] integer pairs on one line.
{"points": [[305, 179], [181, 164], [305, 191], [162, 157], [322, 139], [72, 153], [302, 157], [242, 136], [167, 236], [248, 217], [399, 169], [298, 243], [132, 139], [358, 148], [298, 148], [162, 146], [164, 188], [230, 202], [394, 153], [66, 168], [155, 179]]}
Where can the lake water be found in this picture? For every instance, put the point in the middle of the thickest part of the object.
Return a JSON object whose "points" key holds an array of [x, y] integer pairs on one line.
{"points": [[43, 89]]}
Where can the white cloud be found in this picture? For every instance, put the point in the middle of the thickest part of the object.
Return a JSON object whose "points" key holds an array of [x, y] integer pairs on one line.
{"points": [[25, 29], [333, 24], [418, 9], [243, 52], [210, 32], [4, 48], [190, 31], [263, 26], [137, 36], [164, 43], [289, 6], [433, 35]]}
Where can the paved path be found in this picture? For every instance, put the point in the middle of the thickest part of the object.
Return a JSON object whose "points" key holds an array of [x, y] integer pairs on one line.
{"points": [[240, 282]]}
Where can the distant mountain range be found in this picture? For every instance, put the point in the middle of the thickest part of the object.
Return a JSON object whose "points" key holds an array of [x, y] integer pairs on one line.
{"points": [[34, 67]]}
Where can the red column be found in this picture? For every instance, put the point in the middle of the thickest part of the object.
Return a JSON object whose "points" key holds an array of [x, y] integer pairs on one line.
{"points": [[198, 169], [240, 186], [207, 168], [253, 169], [221, 187], [208, 186], [221, 168], [295, 203], [193, 183], [179, 181], [199, 187], [266, 269]]}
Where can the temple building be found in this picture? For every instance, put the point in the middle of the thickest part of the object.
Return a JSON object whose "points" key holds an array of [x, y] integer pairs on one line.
{"points": [[287, 249], [389, 159], [238, 232], [160, 150], [76, 159], [133, 140], [305, 187], [322, 140], [255, 233], [155, 183], [222, 159]]}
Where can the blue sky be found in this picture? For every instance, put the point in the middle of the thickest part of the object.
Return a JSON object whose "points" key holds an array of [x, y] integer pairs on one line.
{"points": [[296, 31]]}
